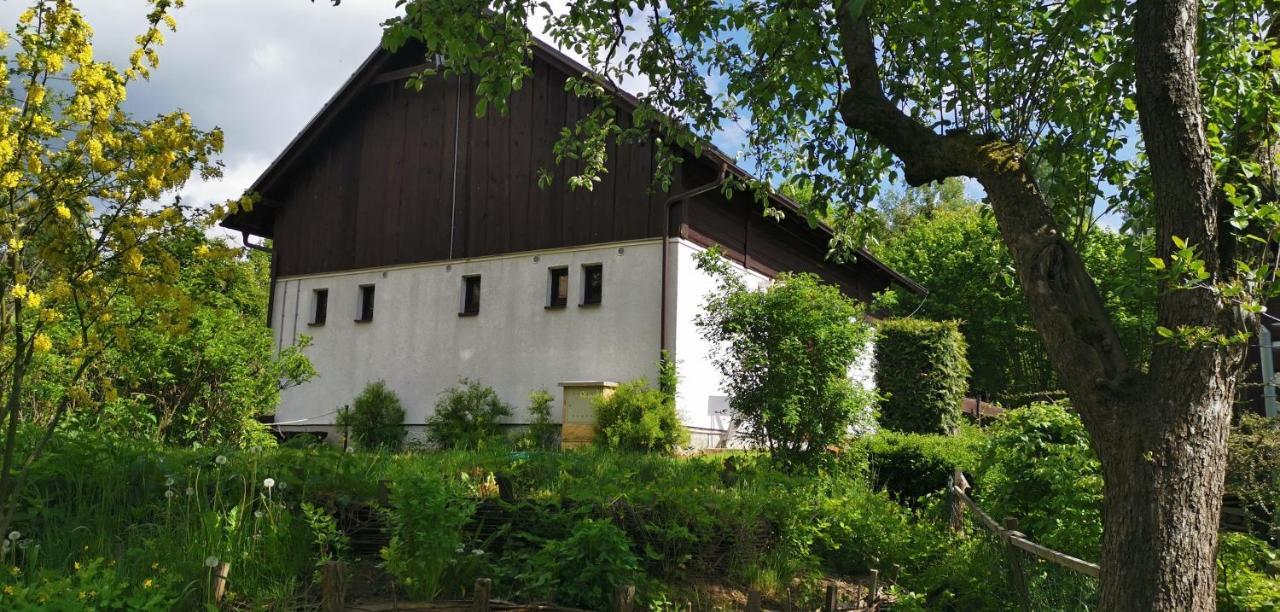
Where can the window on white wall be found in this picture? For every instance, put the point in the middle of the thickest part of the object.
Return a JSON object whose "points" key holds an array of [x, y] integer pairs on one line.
{"points": [[365, 307], [558, 288], [592, 284], [470, 296], [319, 306]]}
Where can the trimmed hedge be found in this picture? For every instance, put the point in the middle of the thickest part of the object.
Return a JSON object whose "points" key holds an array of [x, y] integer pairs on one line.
{"points": [[910, 466], [922, 374]]}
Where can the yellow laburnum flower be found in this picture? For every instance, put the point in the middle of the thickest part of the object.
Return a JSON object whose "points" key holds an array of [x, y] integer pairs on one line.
{"points": [[202, 250], [63, 211], [33, 299], [18, 292], [10, 179], [42, 343], [16, 244]]}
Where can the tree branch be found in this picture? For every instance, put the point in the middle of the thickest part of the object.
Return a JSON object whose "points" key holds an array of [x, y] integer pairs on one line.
{"points": [[1065, 305]]}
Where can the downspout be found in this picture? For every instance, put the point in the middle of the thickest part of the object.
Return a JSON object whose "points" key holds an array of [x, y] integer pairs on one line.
{"points": [[666, 235]]}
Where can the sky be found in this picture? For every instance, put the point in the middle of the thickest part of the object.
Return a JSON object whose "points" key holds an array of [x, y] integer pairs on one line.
{"points": [[259, 69]]}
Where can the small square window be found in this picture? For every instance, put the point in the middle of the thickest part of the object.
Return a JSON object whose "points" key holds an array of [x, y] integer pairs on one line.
{"points": [[592, 284], [366, 304], [319, 306], [470, 296], [558, 289]]}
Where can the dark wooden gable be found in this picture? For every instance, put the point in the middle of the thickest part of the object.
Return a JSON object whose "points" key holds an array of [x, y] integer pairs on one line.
{"points": [[386, 175]]}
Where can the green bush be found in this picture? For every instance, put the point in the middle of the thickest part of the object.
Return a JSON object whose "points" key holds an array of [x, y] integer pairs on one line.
{"points": [[1253, 468], [583, 569], [467, 416], [1248, 574], [543, 433], [1040, 468], [375, 419], [94, 585], [785, 352], [639, 418], [910, 466], [921, 374], [427, 515]]}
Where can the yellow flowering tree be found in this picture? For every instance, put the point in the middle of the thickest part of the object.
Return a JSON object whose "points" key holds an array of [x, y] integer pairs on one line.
{"points": [[82, 214]]}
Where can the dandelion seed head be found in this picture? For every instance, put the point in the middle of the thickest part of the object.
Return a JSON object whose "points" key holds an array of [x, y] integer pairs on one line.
{"points": [[269, 483], [211, 561], [220, 460]]}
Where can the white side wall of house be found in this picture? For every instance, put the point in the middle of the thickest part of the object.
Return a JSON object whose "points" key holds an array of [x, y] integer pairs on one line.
{"points": [[419, 345], [700, 395]]}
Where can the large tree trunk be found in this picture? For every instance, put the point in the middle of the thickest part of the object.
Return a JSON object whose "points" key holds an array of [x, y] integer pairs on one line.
{"points": [[1163, 467], [1161, 434]]}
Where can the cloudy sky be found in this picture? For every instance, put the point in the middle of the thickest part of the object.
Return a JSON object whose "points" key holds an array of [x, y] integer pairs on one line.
{"points": [[259, 69]]}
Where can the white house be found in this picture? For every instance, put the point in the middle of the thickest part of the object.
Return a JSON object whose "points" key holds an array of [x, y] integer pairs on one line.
{"points": [[411, 242]]}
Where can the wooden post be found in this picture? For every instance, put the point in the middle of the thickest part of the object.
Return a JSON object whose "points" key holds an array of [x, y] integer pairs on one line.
{"points": [[218, 581], [481, 601], [624, 598], [333, 587], [895, 571], [833, 598], [873, 592], [753, 601], [1017, 576], [957, 506]]}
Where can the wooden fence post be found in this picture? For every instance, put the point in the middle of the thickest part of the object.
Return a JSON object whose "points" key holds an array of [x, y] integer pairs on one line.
{"points": [[218, 581], [333, 587], [1017, 576], [833, 599], [624, 598], [957, 506], [874, 592], [753, 601], [481, 602]]}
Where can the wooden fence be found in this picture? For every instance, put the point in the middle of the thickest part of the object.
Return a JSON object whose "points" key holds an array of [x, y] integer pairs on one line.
{"points": [[1015, 542]]}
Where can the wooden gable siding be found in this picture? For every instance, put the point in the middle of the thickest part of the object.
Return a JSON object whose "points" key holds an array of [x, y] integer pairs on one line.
{"points": [[377, 187], [769, 246]]}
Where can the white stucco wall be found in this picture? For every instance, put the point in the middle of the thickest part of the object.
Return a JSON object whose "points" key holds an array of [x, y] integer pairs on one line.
{"points": [[419, 345]]}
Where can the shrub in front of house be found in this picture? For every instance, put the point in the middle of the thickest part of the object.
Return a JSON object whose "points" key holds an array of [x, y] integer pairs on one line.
{"points": [[542, 433], [785, 352], [375, 420], [638, 417], [921, 374], [467, 416]]}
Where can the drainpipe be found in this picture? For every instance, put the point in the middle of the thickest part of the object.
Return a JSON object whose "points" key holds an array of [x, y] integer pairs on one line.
{"points": [[666, 235]]}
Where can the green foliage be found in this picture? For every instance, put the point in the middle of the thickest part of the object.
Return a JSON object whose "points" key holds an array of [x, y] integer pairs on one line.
{"points": [[466, 416], [785, 352], [1253, 468], [583, 569], [911, 466], [1040, 468], [375, 419], [425, 528], [668, 377], [952, 246], [543, 433], [1248, 574], [93, 585], [200, 369], [637, 417], [921, 372], [330, 542]]}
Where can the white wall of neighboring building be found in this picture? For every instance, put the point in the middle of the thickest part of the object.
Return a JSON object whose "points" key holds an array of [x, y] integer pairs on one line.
{"points": [[701, 396], [419, 344]]}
